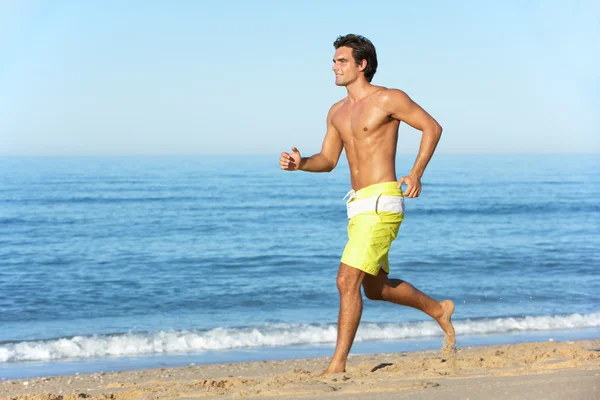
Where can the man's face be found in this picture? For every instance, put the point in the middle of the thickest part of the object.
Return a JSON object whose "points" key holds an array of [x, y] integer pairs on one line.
{"points": [[344, 66]]}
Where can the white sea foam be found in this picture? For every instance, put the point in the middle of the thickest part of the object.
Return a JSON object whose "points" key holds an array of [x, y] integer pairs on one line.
{"points": [[172, 342]]}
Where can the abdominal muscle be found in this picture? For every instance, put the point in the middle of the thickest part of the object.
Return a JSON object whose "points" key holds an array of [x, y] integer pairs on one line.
{"points": [[372, 158]]}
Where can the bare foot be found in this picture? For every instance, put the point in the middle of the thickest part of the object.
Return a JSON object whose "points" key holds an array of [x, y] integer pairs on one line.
{"points": [[333, 370], [445, 321]]}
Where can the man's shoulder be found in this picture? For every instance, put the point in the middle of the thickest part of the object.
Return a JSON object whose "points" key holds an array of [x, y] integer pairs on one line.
{"points": [[391, 98], [390, 93], [336, 106]]}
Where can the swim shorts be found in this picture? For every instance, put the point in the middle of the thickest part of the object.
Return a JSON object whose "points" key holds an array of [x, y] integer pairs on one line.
{"points": [[374, 217]]}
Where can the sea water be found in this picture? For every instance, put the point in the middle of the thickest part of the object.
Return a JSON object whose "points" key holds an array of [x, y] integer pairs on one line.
{"points": [[114, 263]]}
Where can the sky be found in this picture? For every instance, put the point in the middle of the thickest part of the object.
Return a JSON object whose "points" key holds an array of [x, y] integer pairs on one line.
{"points": [[254, 77]]}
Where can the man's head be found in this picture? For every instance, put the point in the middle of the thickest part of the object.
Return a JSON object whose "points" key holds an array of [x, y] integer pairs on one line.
{"points": [[354, 54]]}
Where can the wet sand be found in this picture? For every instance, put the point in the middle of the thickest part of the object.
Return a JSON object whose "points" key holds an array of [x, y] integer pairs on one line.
{"points": [[548, 370]]}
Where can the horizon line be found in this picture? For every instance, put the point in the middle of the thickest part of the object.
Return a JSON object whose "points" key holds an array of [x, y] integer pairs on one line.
{"points": [[273, 153]]}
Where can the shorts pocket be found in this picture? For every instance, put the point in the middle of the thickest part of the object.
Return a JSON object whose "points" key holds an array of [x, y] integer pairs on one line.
{"points": [[377, 204]]}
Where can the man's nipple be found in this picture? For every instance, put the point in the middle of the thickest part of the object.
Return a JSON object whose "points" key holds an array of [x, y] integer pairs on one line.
{"points": [[365, 129]]}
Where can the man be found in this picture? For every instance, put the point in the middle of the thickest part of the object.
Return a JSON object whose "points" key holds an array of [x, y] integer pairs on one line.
{"points": [[366, 123]]}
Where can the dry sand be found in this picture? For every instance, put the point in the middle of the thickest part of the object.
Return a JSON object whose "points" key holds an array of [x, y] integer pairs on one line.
{"points": [[549, 370]]}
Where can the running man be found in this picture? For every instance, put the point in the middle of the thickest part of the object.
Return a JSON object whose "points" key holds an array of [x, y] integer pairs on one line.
{"points": [[366, 123]]}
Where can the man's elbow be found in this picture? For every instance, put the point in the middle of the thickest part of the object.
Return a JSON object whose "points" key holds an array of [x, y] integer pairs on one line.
{"points": [[437, 130], [331, 166]]}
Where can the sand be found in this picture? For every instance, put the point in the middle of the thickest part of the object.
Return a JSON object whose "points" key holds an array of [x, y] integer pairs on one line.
{"points": [[549, 370]]}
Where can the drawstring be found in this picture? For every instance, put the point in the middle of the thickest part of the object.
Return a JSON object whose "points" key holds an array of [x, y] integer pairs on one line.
{"points": [[351, 195]]}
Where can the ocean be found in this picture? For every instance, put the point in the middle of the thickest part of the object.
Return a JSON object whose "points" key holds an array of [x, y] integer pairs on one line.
{"points": [[111, 263]]}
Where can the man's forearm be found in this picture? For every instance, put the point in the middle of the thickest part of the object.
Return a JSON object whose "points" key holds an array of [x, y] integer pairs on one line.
{"points": [[316, 163], [429, 141]]}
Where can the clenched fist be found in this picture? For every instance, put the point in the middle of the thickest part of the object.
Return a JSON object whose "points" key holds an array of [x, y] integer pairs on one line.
{"points": [[413, 186], [290, 161]]}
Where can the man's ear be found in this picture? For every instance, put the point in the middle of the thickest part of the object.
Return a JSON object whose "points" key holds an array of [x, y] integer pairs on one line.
{"points": [[362, 65]]}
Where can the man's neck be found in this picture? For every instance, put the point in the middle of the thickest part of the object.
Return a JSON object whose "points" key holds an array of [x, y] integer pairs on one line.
{"points": [[358, 89]]}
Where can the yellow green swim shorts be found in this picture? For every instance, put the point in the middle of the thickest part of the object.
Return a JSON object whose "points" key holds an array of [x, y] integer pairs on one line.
{"points": [[374, 217]]}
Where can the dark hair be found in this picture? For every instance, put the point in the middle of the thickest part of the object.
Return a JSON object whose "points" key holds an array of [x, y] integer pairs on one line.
{"points": [[362, 49]]}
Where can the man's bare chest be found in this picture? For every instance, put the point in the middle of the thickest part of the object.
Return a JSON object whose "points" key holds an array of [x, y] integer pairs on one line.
{"points": [[360, 121]]}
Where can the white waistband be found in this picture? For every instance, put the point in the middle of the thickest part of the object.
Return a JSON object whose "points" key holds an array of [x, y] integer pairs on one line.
{"points": [[393, 204]]}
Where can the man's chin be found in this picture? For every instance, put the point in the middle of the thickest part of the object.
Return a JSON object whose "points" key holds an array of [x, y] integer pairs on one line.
{"points": [[339, 83]]}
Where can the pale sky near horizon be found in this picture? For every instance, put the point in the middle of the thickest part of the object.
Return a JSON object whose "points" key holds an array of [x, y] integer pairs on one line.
{"points": [[237, 77]]}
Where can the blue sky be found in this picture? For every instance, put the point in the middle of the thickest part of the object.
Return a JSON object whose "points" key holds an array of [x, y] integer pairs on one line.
{"points": [[236, 77]]}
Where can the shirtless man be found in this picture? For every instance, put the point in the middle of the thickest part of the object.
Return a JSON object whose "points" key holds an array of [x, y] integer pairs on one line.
{"points": [[366, 123]]}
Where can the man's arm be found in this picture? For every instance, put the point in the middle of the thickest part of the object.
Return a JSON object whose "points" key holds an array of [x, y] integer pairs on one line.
{"points": [[324, 161], [402, 108]]}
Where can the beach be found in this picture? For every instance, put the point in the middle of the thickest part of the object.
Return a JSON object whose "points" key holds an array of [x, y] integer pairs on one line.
{"points": [[544, 370]]}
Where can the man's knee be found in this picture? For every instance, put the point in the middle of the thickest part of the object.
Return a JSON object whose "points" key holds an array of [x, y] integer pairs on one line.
{"points": [[373, 292], [349, 279], [374, 286]]}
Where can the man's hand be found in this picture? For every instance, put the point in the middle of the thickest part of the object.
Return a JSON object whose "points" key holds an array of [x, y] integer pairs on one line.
{"points": [[413, 186], [290, 161]]}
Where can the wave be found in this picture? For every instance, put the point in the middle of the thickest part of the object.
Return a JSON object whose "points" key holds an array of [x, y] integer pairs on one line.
{"points": [[269, 335]]}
